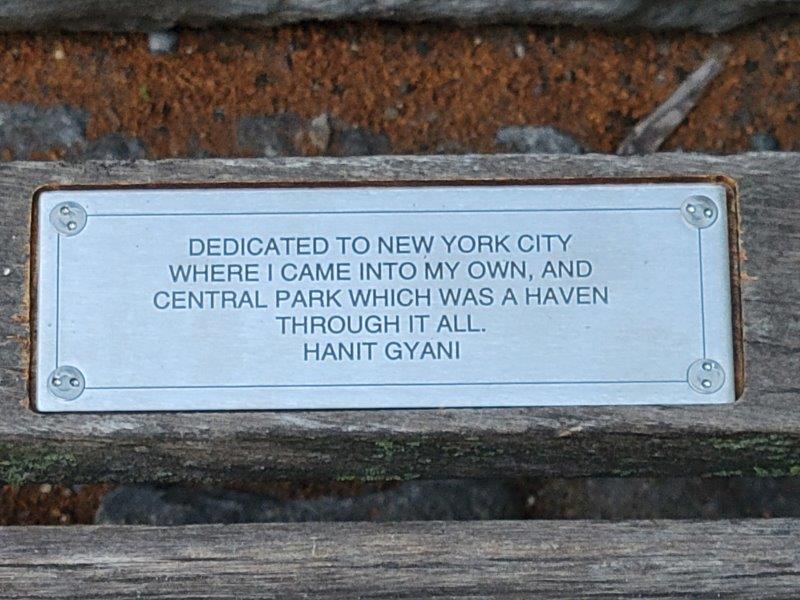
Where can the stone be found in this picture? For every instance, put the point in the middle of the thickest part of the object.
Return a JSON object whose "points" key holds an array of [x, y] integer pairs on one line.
{"points": [[529, 139], [764, 142], [26, 129], [411, 501], [356, 141], [162, 42], [449, 147], [282, 135], [626, 498], [113, 146], [319, 132], [269, 135]]}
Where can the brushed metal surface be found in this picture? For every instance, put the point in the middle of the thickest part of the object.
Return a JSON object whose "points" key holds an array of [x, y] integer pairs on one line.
{"points": [[477, 295]]}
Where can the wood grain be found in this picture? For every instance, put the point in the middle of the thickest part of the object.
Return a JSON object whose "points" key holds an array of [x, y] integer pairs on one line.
{"points": [[150, 15], [759, 434], [492, 559]]}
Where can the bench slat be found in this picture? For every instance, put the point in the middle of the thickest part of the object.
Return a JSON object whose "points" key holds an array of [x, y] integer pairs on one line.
{"points": [[759, 434], [491, 559]]}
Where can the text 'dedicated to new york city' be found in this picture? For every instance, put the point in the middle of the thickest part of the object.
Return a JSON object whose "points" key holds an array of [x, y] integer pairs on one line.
{"points": [[382, 296]]}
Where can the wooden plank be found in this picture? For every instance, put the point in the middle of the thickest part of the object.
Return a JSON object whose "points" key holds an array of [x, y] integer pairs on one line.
{"points": [[150, 15], [759, 434], [490, 559]]}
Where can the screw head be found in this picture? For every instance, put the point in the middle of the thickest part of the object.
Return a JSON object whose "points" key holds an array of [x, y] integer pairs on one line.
{"points": [[69, 218], [66, 382], [699, 211], [705, 376]]}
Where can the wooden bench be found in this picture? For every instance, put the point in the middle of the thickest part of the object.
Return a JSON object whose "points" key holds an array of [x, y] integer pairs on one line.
{"points": [[491, 559], [758, 434]]}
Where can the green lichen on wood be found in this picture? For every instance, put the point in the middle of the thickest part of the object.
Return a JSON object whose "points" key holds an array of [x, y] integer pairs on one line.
{"points": [[374, 474], [386, 449], [474, 450], [370, 474], [21, 466], [391, 460], [775, 455], [402, 452], [164, 476], [626, 473], [772, 442]]}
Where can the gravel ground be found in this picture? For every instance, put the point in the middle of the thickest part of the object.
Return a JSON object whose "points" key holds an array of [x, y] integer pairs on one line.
{"points": [[385, 88]]}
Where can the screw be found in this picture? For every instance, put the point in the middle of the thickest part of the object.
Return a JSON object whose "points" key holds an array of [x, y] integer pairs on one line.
{"points": [[705, 376], [66, 382], [68, 218], [699, 211]]}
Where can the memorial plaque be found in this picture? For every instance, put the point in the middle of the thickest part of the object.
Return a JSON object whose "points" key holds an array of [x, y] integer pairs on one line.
{"points": [[382, 296]]}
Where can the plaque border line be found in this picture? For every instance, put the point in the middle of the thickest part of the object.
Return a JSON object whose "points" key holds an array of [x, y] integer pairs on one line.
{"points": [[58, 297], [390, 212], [702, 290]]}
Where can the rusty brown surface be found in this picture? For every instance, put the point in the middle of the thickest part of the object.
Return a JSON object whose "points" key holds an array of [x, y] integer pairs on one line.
{"points": [[49, 504], [428, 88]]}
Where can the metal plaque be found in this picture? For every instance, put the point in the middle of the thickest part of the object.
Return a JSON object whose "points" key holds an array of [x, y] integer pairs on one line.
{"points": [[382, 297]]}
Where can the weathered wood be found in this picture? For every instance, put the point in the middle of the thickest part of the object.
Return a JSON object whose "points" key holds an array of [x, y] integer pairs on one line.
{"points": [[491, 559], [759, 434], [149, 15]]}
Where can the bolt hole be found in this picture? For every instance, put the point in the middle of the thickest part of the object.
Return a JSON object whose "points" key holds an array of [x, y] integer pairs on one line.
{"points": [[56, 382], [65, 210], [708, 212], [690, 208], [706, 366], [706, 383], [74, 382]]}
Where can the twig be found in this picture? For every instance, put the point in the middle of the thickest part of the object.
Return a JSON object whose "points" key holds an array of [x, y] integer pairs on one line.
{"points": [[649, 133]]}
